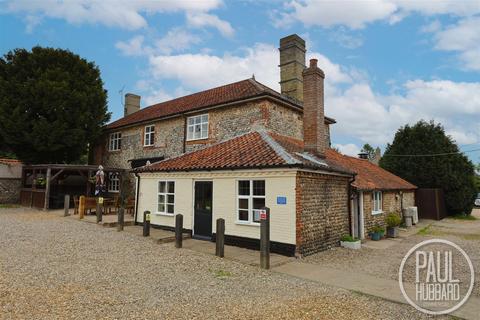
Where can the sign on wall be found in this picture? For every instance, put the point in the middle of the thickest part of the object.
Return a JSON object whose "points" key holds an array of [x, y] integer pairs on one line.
{"points": [[281, 200]]}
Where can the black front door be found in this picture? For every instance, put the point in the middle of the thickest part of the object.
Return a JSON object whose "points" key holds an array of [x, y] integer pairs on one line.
{"points": [[203, 209]]}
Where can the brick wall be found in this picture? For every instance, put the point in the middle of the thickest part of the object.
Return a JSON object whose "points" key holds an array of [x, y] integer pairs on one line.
{"points": [[322, 216], [391, 202], [10, 190]]}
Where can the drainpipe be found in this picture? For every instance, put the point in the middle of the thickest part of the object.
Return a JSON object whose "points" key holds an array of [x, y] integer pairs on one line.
{"points": [[136, 197], [350, 204]]}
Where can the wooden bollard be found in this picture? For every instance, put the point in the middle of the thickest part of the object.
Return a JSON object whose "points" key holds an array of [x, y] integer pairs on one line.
{"points": [[66, 205], [220, 238], [121, 220], [81, 207], [146, 223], [178, 230], [98, 209], [265, 238]]}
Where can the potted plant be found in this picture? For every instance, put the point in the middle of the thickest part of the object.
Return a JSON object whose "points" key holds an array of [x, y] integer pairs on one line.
{"points": [[377, 233], [393, 220], [350, 242]]}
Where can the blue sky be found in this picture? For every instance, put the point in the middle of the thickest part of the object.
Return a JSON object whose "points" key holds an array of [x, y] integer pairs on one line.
{"points": [[387, 62]]}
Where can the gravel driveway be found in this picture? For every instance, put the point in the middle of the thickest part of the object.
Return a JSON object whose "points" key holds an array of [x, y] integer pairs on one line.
{"points": [[57, 268]]}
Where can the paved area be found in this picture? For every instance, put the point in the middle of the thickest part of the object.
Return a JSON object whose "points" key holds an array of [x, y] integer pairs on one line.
{"points": [[373, 270], [157, 235], [108, 220], [60, 268], [245, 256]]}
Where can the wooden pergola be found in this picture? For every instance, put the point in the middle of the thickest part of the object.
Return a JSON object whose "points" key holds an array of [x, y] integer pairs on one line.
{"points": [[38, 195]]}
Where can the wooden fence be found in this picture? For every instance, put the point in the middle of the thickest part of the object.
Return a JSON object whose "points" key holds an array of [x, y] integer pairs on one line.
{"points": [[430, 203]]}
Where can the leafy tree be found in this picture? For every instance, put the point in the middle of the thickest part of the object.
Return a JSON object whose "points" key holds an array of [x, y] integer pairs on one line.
{"points": [[52, 104], [452, 171], [477, 177], [369, 150]]}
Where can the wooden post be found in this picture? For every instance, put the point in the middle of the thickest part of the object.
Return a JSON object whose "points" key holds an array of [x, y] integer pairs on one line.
{"points": [[34, 186], [98, 209], [66, 205], [46, 204], [121, 218], [220, 238], [146, 223], [81, 207], [265, 238], [178, 230]]}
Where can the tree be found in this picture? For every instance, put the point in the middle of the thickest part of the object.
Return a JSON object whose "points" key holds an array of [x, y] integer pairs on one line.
{"points": [[440, 164], [369, 150], [52, 105]]}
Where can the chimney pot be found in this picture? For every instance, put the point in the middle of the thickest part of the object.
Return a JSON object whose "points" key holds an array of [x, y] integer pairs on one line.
{"points": [[313, 63]]}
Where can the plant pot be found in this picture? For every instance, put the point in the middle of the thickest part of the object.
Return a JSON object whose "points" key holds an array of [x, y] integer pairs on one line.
{"points": [[408, 221], [375, 236], [351, 244], [392, 232]]}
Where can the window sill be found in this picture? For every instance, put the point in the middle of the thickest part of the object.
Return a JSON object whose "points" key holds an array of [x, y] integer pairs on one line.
{"points": [[376, 213], [163, 214], [246, 223], [115, 151], [113, 191], [199, 139]]}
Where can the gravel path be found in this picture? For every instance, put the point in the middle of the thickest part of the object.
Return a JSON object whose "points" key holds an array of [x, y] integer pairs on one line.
{"points": [[57, 268], [385, 263]]}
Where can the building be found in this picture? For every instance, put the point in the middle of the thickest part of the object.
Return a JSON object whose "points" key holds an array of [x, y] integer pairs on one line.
{"points": [[228, 151]]}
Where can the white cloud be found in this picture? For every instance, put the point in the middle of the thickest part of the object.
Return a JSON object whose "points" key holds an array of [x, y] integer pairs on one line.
{"points": [[349, 149], [132, 47], [349, 98], [114, 13], [462, 37], [357, 14], [201, 19]]}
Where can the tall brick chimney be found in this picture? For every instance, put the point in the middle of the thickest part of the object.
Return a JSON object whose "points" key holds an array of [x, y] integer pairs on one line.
{"points": [[132, 104], [292, 62], [314, 110]]}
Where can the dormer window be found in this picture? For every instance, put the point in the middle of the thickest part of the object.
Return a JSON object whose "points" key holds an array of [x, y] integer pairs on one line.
{"points": [[197, 127]]}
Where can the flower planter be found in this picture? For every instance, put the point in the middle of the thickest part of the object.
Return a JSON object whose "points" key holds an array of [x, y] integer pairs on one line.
{"points": [[392, 232], [376, 236], [351, 244]]}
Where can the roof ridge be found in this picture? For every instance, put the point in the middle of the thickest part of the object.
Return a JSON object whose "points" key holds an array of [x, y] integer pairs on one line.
{"points": [[279, 150]]}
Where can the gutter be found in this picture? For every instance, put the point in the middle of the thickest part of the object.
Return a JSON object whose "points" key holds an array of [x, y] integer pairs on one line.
{"points": [[350, 187]]}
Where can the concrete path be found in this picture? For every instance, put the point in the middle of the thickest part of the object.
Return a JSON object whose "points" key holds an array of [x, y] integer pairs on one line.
{"points": [[246, 256], [374, 286], [158, 235]]}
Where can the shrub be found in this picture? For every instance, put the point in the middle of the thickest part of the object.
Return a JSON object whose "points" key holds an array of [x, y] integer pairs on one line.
{"points": [[348, 238], [393, 220], [378, 229]]}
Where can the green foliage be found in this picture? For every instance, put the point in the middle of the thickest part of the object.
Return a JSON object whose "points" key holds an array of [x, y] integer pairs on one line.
{"points": [[454, 173], [393, 220], [52, 104], [463, 217], [477, 177], [369, 150], [378, 229], [348, 238]]}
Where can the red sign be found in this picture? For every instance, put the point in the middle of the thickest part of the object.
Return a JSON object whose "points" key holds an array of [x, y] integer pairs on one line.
{"points": [[263, 215]]}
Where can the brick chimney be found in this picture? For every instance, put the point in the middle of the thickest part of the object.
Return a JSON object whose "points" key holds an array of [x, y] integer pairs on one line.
{"points": [[132, 104], [292, 62], [313, 110]]}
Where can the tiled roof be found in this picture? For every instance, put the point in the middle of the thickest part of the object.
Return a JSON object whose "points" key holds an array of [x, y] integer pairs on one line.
{"points": [[229, 93], [10, 162], [268, 149], [251, 150]]}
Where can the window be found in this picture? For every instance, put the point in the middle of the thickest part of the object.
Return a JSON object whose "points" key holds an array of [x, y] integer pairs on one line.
{"points": [[115, 142], [166, 197], [377, 202], [149, 137], [113, 182], [251, 198], [197, 127]]}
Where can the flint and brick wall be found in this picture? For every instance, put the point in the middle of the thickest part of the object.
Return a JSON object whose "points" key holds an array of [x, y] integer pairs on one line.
{"points": [[10, 190], [322, 216], [391, 202]]}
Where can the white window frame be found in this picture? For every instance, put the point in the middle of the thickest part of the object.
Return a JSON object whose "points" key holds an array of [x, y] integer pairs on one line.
{"points": [[250, 198], [113, 182], [149, 136], [377, 202], [166, 194], [192, 124], [115, 141]]}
